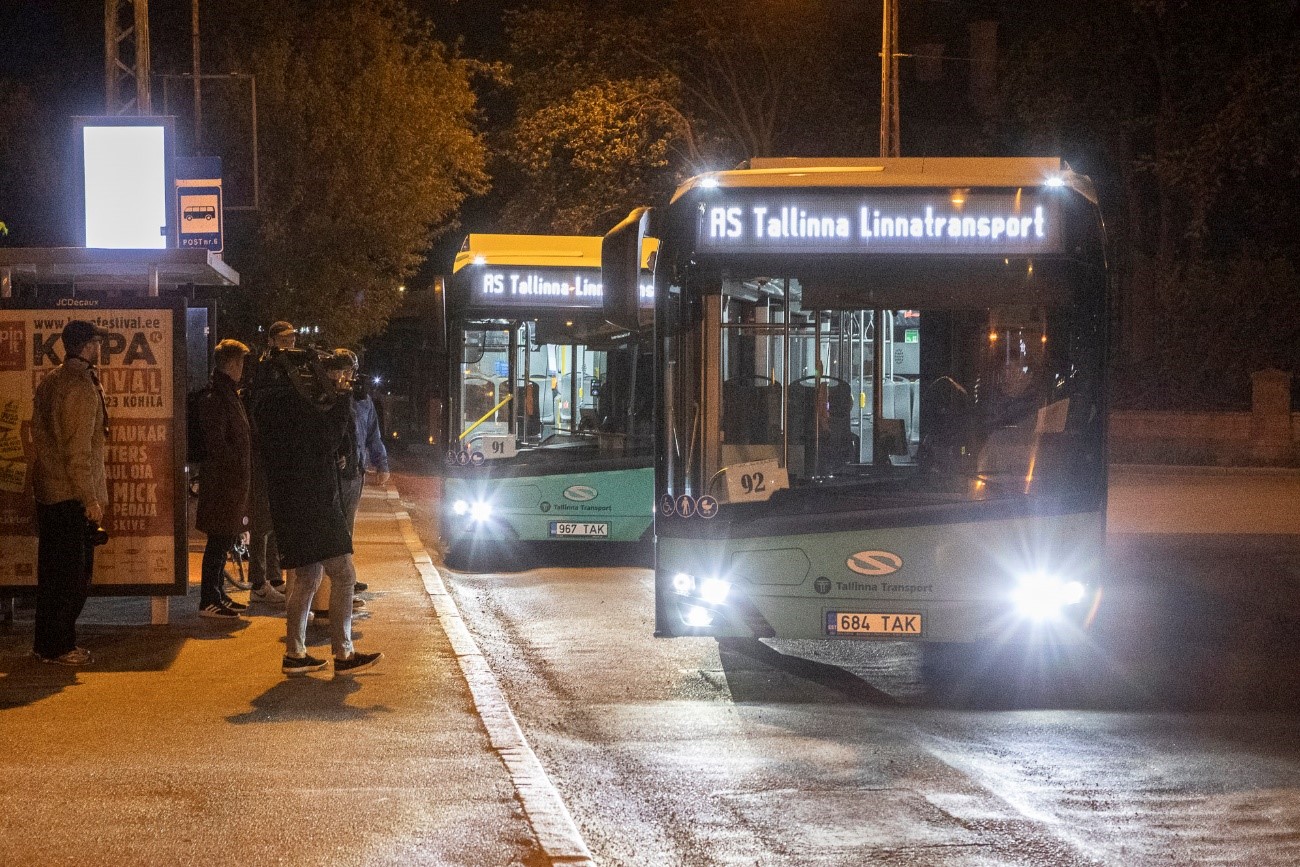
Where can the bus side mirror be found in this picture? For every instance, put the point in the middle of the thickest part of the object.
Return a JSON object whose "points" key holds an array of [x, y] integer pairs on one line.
{"points": [[620, 269]]}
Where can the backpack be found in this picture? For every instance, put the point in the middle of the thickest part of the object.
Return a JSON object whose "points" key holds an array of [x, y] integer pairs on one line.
{"points": [[195, 446]]}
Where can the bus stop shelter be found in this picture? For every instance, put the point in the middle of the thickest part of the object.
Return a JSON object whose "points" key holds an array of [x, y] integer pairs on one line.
{"points": [[158, 338]]}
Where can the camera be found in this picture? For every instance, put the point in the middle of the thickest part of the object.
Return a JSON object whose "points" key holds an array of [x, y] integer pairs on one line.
{"points": [[96, 535]]}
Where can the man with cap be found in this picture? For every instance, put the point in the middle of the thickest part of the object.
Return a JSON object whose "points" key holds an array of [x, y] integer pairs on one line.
{"points": [[69, 434]]}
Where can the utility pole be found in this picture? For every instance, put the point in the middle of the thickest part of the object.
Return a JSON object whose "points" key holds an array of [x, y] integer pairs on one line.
{"points": [[126, 57], [889, 133], [198, 77]]}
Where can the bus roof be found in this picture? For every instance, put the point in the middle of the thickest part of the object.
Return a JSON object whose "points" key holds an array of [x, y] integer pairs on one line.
{"points": [[895, 172], [530, 250]]}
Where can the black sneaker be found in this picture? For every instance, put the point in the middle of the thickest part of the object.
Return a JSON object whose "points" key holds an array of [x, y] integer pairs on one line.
{"points": [[301, 664], [233, 605], [217, 611], [356, 662], [360, 587]]}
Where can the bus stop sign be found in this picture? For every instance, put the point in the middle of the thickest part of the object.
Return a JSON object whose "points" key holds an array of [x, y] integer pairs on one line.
{"points": [[198, 198]]}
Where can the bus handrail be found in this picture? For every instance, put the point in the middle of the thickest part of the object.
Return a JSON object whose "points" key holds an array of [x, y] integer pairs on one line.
{"points": [[487, 415]]}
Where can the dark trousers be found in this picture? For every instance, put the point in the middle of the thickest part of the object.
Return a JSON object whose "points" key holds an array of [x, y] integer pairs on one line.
{"points": [[263, 559], [65, 561], [213, 571]]}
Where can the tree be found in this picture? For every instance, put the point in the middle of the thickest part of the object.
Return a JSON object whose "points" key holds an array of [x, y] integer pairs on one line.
{"points": [[367, 149], [1184, 111], [32, 186]]}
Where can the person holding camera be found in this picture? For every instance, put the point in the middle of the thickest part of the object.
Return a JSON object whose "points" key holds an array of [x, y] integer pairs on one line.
{"points": [[69, 434], [301, 426], [224, 487]]}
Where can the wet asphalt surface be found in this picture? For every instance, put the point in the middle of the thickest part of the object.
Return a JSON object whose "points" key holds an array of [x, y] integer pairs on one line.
{"points": [[1172, 739]]}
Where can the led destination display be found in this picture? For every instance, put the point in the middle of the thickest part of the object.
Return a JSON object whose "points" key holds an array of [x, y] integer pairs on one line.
{"points": [[862, 221], [534, 287]]}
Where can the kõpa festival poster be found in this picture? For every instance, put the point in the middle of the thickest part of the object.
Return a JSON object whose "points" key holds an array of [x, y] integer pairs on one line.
{"points": [[138, 366]]}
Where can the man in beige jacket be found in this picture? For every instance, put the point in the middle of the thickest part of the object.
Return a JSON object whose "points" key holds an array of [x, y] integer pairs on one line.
{"points": [[69, 431]]}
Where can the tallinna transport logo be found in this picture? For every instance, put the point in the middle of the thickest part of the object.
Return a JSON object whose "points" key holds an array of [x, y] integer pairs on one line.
{"points": [[580, 493], [874, 563]]}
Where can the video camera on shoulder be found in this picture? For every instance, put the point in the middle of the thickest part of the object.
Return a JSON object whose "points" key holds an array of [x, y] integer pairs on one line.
{"points": [[305, 371]]}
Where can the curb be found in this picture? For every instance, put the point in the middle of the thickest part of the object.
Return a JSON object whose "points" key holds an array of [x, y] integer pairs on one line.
{"points": [[557, 835]]}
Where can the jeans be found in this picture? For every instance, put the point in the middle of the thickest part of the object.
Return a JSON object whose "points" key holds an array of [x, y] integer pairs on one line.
{"points": [[213, 572], [263, 558], [305, 581], [65, 561]]}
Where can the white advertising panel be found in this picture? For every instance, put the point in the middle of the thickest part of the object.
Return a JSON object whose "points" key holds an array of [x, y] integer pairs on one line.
{"points": [[125, 174]]}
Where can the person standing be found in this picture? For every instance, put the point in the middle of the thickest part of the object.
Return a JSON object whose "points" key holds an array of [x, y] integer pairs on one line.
{"points": [[69, 433], [224, 486], [263, 553], [301, 425], [341, 367]]}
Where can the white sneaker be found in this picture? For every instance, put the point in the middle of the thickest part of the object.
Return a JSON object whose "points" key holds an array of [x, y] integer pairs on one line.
{"points": [[268, 594]]}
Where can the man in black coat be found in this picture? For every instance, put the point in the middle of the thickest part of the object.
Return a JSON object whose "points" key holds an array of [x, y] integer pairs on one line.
{"points": [[301, 425], [224, 485]]}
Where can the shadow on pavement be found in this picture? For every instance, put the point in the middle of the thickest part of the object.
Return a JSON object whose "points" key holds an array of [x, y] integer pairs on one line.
{"points": [[308, 697], [756, 672]]}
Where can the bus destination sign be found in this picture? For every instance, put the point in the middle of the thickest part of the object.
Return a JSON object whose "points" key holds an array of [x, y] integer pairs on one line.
{"points": [[535, 287], [888, 222]]}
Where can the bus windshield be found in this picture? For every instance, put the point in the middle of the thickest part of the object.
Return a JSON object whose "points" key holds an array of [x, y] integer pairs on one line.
{"points": [[818, 399], [569, 399]]}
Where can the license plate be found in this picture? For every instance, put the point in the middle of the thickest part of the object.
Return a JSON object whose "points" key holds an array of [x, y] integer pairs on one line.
{"points": [[859, 623], [578, 528]]}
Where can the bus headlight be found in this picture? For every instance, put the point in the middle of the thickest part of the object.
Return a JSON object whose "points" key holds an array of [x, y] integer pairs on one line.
{"points": [[480, 511], [697, 617], [1041, 596], [714, 591], [684, 584], [460, 508]]}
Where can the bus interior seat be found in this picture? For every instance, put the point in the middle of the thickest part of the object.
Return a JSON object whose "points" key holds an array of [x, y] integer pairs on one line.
{"points": [[480, 395], [751, 408], [836, 442], [891, 435], [526, 395]]}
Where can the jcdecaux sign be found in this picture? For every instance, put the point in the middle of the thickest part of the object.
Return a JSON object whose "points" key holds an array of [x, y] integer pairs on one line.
{"points": [[920, 222]]}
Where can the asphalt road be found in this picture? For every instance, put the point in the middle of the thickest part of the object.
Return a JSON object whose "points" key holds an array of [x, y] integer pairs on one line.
{"points": [[1177, 746]]}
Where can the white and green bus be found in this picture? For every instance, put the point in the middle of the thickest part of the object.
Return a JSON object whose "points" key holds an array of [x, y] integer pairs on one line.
{"points": [[881, 399], [549, 407]]}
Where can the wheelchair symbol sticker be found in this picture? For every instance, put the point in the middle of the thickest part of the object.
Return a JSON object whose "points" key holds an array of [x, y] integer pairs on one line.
{"points": [[666, 505]]}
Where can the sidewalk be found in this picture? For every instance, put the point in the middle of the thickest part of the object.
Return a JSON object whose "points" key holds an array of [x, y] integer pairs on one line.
{"points": [[184, 744]]}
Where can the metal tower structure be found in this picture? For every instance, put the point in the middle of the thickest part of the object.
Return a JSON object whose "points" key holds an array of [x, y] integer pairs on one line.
{"points": [[126, 57], [890, 145]]}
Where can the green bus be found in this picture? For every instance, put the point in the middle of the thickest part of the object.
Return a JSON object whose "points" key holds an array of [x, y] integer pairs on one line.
{"points": [[549, 410], [881, 399]]}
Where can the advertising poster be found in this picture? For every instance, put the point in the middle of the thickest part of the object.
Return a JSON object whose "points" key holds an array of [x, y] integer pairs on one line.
{"points": [[138, 364]]}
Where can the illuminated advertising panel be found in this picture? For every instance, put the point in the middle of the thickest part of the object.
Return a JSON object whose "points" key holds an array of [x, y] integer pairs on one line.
{"points": [[126, 168], [916, 222], [561, 288], [141, 369]]}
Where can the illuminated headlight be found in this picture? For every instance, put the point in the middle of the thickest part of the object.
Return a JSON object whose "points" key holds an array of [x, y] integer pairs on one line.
{"points": [[684, 584], [698, 617], [714, 590], [480, 512], [1041, 596], [460, 507], [1054, 181]]}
